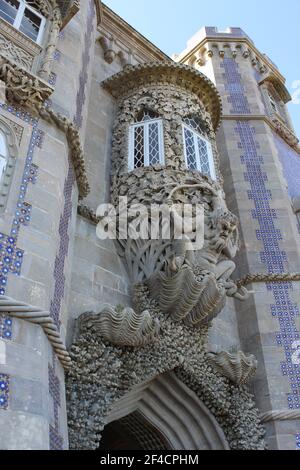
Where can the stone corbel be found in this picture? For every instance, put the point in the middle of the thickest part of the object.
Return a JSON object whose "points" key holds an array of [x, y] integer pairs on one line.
{"points": [[109, 49], [23, 88]]}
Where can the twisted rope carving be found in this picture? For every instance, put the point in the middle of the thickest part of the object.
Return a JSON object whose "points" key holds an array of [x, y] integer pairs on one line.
{"points": [[279, 415], [39, 317], [264, 277]]}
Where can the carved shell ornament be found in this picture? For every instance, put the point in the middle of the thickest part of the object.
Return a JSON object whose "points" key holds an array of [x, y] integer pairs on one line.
{"points": [[185, 296], [238, 367], [122, 326]]}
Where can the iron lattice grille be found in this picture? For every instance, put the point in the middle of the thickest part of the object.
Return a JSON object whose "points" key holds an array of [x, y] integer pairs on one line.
{"points": [[198, 150], [143, 432], [146, 142]]}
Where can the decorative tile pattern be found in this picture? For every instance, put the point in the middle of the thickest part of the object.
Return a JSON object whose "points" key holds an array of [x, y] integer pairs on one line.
{"points": [[52, 79], [4, 391], [83, 77], [57, 55], [298, 441], [65, 219], [234, 87], [272, 256], [55, 439], [6, 325], [11, 257]]}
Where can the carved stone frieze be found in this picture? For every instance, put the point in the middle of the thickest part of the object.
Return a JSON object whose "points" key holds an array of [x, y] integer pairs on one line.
{"points": [[15, 53]]}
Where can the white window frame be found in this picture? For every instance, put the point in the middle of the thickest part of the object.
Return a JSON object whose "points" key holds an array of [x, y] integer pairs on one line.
{"points": [[273, 103], [145, 125], [197, 136], [19, 18]]}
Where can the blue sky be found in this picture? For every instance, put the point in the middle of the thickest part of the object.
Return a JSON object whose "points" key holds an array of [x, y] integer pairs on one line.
{"points": [[273, 25]]}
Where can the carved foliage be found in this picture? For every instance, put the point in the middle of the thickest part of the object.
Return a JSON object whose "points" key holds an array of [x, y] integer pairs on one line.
{"points": [[172, 104]]}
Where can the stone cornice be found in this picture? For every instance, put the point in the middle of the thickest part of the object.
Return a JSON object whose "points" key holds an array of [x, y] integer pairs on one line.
{"points": [[277, 126], [115, 28], [186, 55], [181, 75]]}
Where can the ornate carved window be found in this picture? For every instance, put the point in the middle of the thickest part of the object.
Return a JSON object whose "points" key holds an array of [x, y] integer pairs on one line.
{"points": [[146, 146], [24, 17], [197, 148]]}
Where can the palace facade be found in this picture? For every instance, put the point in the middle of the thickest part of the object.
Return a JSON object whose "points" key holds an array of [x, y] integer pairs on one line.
{"points": [[144, 343]]}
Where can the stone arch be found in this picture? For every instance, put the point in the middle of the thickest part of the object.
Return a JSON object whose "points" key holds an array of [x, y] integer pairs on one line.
{"points": [[175, 411]]}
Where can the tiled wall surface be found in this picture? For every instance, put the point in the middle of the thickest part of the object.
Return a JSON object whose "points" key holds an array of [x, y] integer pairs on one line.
{"points": [[255, 190]]}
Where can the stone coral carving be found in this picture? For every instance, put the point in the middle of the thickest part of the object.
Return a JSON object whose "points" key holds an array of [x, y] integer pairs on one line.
{"points": [[122, 326], [102, 374], [75, 147], [180, 76], [238, 367], [23, 88]]}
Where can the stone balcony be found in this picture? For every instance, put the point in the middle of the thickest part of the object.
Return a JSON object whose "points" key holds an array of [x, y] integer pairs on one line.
{"points": [[18, 48]]}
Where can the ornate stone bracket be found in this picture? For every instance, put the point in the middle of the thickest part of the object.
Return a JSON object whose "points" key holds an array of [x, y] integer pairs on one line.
{"points": [[23, 88]]}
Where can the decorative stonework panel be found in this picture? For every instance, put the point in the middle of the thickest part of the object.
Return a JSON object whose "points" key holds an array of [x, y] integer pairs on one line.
{"points": [[15, 53], [102, 374]]}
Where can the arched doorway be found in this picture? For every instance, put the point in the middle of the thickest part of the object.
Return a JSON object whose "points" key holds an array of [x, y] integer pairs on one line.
{"points": [[133, 432], [162, 414]]}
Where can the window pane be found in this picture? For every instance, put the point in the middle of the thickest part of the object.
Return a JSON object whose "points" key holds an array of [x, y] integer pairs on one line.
{"points": [[3, 154], [154, 157], [9, 9], [196, 124], [191, 157], [204, 157], [138, 146], [3, 145], [30, 24]]}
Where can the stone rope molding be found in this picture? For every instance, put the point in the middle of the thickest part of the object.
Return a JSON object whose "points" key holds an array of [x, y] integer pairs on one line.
{"points": [[40, 317], [280, 415], [265, 277]]}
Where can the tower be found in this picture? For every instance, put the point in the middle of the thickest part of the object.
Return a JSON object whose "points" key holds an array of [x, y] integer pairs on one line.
{"points": [[259, 156]]}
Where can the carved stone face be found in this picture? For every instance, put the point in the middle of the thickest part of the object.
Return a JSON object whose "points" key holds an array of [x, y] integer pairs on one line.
{"points": [[225, 236]]}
